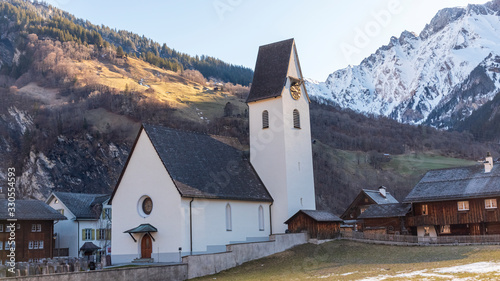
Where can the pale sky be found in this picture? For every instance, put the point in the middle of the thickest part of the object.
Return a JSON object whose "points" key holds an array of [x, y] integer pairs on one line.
{"points": [[330, 35]]}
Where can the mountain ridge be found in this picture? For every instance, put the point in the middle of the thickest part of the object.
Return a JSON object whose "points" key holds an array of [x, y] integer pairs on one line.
{"points": [[414, 77]]}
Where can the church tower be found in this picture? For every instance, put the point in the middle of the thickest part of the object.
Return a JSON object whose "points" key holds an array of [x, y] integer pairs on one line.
{"points": [[280, 133]]}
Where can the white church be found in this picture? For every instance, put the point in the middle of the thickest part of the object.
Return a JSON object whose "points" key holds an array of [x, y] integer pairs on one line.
{"points": [[188, 193]]}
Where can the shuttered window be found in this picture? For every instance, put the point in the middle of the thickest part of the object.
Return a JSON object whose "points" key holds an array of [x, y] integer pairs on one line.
{"points": [[265, 119], [88, 234], [296, 119], [463, 205]]}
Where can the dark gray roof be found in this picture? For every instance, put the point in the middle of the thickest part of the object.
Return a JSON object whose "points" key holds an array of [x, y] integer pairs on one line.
{"points": [[145, 227], [271, 70], [456, 183], [322, 216], [206, 166], [89, 247], [385, 211], [29, 210], [378, 198], [82, 205]]}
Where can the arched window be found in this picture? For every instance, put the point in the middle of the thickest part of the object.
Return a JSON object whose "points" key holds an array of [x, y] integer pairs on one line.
{"points": [[229, 223], [296, 119], [265, 119], [261, 218]]}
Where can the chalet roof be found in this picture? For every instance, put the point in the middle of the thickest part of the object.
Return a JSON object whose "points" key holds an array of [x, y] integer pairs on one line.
{"points": [[378, 198], [320, 216], [206, 166], [29, 210], [82, 204], [386, 211], [271, 70], [456, 183]]}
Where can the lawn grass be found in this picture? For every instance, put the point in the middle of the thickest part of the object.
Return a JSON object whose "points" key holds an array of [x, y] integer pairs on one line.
{"points": [[349, 260], [418, 163]]}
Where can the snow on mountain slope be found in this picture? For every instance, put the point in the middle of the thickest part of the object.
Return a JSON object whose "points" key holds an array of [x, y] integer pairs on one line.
{"points": [[413, 76]]}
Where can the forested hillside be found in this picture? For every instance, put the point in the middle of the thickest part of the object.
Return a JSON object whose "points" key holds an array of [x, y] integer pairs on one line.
{"points": [[47, 21]]}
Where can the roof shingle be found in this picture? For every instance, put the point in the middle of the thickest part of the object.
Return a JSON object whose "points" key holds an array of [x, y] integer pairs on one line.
{"points": [[378, 198], [82, 204], [271, 70], [320, 216], [456, 183], [203, 166], [386, 211], [30, 210]]}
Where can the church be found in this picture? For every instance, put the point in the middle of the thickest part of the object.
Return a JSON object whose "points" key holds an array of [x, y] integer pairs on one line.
{"points": [[183, 193]]}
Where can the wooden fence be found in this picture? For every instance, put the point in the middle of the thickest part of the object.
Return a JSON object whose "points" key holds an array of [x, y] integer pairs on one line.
{"points": [[411, 239]]}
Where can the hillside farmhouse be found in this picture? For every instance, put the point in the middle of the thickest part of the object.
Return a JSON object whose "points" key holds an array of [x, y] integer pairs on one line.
{"points": [[88, 220], [459, 201], [185, 193], [33, 230]]}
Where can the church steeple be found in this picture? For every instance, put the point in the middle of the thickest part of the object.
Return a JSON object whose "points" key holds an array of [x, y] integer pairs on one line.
{"points": [[280, 134]]}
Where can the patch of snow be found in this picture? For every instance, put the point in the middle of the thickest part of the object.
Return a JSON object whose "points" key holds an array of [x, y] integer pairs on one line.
{"points": [[478, 267]]}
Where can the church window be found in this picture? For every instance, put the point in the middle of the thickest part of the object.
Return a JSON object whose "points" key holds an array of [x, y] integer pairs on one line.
{"points": [[296, 119], [261, 218], [265, 119], [229, 223]]}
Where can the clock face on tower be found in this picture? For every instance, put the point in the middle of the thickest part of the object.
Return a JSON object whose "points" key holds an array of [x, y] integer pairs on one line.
{"points": [[295, 88]]}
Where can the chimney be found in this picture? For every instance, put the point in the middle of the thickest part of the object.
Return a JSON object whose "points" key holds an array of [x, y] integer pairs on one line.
{"points": [[382, 191], [488, 163]]}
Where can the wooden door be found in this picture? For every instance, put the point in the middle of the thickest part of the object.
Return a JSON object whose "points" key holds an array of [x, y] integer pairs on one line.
{"points": [[146, 247]]}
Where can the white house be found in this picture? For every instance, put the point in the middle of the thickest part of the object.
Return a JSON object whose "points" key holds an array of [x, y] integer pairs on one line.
{"points": [[186, 193], [88, 220]]}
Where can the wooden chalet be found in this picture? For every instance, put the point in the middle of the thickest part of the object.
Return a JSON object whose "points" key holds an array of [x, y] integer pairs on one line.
{"points": [[458, 201], [385, 218], [365, 198], [318, 224], [34, 230]]}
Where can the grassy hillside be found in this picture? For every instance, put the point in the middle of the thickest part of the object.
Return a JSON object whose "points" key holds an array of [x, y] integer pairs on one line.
{"points": [[346, 260], [341, 174]]}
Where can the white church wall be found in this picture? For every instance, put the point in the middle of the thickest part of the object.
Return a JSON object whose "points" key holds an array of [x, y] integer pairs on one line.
{"points": [[268, 155], [209, 223], [145, 175], [298, 145]]}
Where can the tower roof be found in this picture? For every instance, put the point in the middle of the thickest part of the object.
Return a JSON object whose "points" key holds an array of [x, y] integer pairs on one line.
{"points": [[271, 70]]}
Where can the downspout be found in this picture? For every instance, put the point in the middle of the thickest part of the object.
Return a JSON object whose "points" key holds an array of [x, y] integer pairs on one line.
{"points": [[78, 240], [191, 226], [270, 220]]}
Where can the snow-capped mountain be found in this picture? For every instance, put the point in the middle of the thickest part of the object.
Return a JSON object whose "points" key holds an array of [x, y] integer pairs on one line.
{"points": [[438, 77]]}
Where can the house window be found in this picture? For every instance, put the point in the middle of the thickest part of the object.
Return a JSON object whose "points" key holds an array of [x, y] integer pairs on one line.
{"points": [[261, 218], [106, 214], [425, 210], [36, 227], [1, 245], [463, 205], [88, 234], [362, 210], [490, 203], [1, 227], [265, 119], [426, 231], [30, 245], [35, 245], [104, 234], [296, 119], [7, 247], [40, 244], [445, 229], [229, 223]]}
